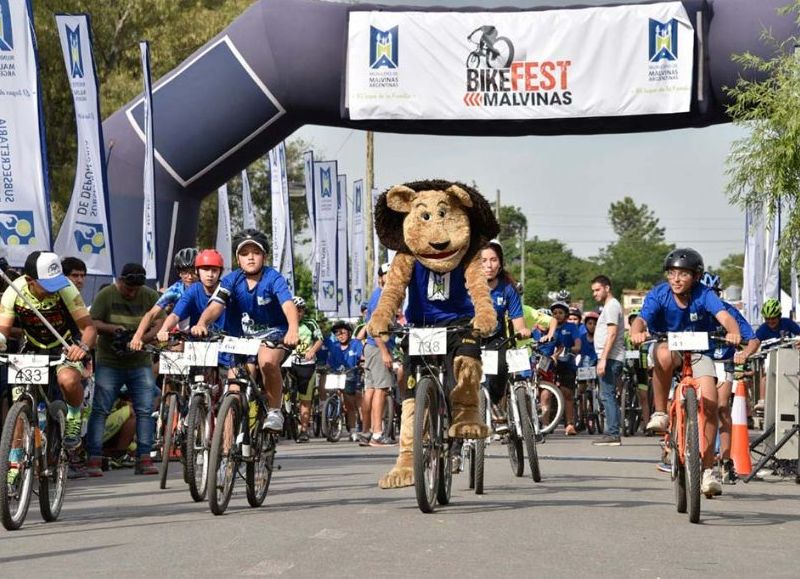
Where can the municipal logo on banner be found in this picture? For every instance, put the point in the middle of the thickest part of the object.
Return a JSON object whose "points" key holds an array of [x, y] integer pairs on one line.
{"points": [[75, 56], [90, 238], [328, 289], [384, 47], [663, 40], [16, 227], [327, 184], [6, 34]]}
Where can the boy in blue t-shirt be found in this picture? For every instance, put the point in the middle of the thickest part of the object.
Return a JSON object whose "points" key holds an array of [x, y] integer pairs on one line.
{"points": [[568, 345], [345, 353], [683, 304], [774, 326]]}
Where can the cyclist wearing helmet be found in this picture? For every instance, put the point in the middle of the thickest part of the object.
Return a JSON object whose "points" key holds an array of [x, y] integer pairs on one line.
{"points": [[183, 263], [186, 313], [683, 304], [344, 353], [575, 317], [568, 345], [775, 326], [640, 369], [588, 352], [257, 303], [308, 344]]}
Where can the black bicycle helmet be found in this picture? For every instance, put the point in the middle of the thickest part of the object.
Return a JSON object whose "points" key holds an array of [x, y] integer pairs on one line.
{"points": [[185, 257], [341, 324], [684, 258], [576, 312], [562, 305], [250, 236]]}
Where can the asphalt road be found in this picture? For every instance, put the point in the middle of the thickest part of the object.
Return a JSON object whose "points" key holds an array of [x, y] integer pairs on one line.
{"points": [[604, 511]]}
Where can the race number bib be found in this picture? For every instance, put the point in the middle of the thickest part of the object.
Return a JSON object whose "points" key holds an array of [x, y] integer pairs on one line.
{"points": [[173, 364], [587, 373], [242, 346], [518, 360], [203, 354], [335, 381], [427, 342], [687, 341], [632, 354], [28, 369], [489, 361]]}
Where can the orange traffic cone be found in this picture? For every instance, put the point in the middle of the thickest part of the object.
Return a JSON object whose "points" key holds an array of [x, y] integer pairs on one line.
{"points": [[740, 441]]}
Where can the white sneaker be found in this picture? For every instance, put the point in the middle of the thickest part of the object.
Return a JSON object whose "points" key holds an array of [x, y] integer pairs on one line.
{"points": [[274, 420], [659, 422], [711, 487]]}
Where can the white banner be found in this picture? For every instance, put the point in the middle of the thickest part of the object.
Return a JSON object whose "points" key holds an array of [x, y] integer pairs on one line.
{"points": [[376, 244], [342, 251], [84, 231], [24, 199], [567, 63], [224, 244], [753, 274], [149, 207], [771, 261], [325, 210], [248, 211], [278, 208], [308, 178], [287, 263], [358, 255]]}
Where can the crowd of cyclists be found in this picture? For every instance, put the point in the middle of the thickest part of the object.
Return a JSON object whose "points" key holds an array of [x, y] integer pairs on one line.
{"points": [[111, 384]]}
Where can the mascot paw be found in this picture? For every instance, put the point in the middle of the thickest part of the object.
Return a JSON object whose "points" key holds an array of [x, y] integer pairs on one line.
{"points": [[378, 326], [397, 478], [468, 430], [485, 323]]}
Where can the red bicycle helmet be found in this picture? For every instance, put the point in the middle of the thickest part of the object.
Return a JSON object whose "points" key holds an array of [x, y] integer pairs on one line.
{"points": [[209, 258]]}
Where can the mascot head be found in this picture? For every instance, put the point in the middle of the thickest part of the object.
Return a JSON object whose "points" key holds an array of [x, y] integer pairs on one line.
{"points": [[439, 222]]}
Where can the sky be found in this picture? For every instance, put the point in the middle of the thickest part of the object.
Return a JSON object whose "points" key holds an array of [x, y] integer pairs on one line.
{"points": [[565, 184]]}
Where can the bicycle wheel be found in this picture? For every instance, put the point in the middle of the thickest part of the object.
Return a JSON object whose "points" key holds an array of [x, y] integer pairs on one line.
{"points": [[224, 461], [480, 452], [550, 417], [170, 424], [53, 474], [623, 409], [527, 433], [426, 444], [197, 448], [316, 417], [388, 417], [694, 469], [18, 433], [259, 472], [473, 60], [678, 471], [514, 447], [505, 55], [445, 486], [334, 419]]}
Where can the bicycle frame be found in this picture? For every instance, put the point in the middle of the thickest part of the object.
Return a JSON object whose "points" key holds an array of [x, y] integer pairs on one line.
{"points": [[677, 415]]}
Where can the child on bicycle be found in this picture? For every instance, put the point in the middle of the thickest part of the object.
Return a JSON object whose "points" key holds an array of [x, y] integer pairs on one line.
{"points": [[345, 353]]}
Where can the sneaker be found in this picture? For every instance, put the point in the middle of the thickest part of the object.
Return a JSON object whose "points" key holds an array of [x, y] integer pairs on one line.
{"points": [[664, 467], [124, 461], [364, 438], [354, 437], [455, 465], [759, 407], [608, 440], [710, 486], [570, 430], [274, 420], [659, 422], [382, 441], [94, 467], [302, 437], [76, 466], [13, 474], [144, 465], [729, 476], [72, 433]]}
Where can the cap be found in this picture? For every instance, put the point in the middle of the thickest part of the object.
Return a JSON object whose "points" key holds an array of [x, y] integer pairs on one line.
{"points": [[383, 269], [45, 267], [133, 274]]}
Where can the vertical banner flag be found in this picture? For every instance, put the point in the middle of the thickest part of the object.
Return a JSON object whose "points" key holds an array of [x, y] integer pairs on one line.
{"points": [[308, 178], [149, 209], [772, 266], [358, 261], [376, 244], [248, 211], [278, 209], [85, 230], [752, 292], [24, 203], [325, 212], [342, 253], [287, 264], [224, 244]]}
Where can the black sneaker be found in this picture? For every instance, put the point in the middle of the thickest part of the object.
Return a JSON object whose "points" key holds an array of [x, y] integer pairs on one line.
{"points": [[608, 440], [382, 441], [302, 437], [728, 473], [364, 438]]}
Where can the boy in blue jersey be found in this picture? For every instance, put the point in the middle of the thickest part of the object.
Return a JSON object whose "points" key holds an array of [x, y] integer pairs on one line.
{"points": [[568, 345], [683, 304], [345, 353], [774, 326], [183, 263], [257, 303]]}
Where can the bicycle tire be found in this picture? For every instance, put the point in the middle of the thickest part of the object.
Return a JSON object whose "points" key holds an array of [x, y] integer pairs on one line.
{"points": [[426, 461], [169, 435], [332, 415], [219, 496], [516, 454], [473, 59], [694, 468], [444, 488], [528, 435], [258, 473], [505, 63], [678, 472], [546, 427], [470, 458], [53, 475], [387, 426], [480, 452], [316, 417], [19, 411], [197, 448]]}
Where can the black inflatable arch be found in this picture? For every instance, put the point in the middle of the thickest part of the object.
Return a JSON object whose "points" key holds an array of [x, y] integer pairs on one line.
{"points": [[280, 66]]}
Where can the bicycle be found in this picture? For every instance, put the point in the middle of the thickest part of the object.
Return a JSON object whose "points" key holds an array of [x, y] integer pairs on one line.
{"points": [[501, 55], [291, 403], [236, 440], [333, 412], [547, 416], [473, 451], [35, 426], [629, 405], [587, 415]]}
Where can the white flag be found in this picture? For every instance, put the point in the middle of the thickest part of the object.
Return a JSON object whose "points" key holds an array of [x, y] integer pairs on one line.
{"points": [[224, 243], [772, 260], [358, 259], [753, 274], [248, 211], [149, 208], [84, 231], [278, 208], [342, 289], [308, 178], [24, 203], [287, 263], [325, 211]]}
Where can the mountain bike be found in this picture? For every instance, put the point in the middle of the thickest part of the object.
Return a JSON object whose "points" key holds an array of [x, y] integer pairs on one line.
{"points": [[629, 404], [34, 431], [549, 414], [500, 55], [473, 451], [586, 412], [290, 403], [334, 419]]}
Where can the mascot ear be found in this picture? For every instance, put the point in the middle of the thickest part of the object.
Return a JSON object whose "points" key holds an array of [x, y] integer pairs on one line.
{"points": [[399, 198], [462, 196]]}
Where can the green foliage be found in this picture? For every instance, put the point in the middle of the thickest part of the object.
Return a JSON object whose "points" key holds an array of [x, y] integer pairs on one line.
{"points": [[730, 270]]}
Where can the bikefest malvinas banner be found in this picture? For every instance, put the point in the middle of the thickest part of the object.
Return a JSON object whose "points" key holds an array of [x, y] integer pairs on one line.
{"points": [[592, 62]]}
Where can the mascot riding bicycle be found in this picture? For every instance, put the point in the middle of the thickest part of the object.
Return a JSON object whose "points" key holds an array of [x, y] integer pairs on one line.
{"points": [[437, 228]]}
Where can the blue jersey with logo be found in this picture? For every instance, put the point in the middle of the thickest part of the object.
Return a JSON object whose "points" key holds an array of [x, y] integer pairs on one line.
{"points": [[588, 354], [565, 336], [663, 314], [371, 307], [171, 295], [347, 358], [191, 305], [252, 312], [549, 348], [505, 300], [435, 298], [726, 352], [786, 329]]}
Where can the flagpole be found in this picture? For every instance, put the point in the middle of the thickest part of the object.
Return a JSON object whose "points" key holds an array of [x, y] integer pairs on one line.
{"points": [[369, 184]]}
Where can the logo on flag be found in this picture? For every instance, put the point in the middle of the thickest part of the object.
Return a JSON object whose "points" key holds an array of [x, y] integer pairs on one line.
{"points": [[6, 36], [327, 289], [16, 227], [663, 40], [384, 47], [327, 189], [339, 296], [75, 56], [89, 237], [357, 200]]}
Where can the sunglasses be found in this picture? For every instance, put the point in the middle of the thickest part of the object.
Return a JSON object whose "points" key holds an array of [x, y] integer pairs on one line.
{"points": [[134, 279]]}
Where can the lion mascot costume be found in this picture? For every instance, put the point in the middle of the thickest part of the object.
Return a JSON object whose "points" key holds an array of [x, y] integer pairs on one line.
{"points": [[437, 228]]}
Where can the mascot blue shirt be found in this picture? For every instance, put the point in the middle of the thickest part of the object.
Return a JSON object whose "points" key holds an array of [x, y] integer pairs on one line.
{"points": [[436, 299]]}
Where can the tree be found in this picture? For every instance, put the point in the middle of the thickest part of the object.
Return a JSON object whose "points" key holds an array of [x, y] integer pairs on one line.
{"points": [[730, 270]]}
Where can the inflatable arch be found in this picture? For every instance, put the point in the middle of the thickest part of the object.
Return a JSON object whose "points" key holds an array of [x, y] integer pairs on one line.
{"points": [[282, 65]]}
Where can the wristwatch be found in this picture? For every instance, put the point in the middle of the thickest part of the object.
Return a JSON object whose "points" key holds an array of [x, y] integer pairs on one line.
{"points": [[84, 347]]}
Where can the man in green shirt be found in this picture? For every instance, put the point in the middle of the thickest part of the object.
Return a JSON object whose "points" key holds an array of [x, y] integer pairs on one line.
{"points": [[117, 311]]}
